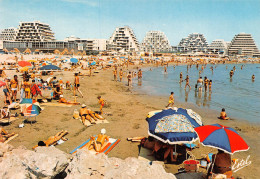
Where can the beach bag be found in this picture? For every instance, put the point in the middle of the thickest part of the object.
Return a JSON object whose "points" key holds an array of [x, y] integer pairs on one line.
{"points": [[76, 114]]}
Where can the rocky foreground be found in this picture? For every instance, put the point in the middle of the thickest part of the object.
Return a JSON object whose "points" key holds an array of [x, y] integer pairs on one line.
{"points": [[50, 162]]}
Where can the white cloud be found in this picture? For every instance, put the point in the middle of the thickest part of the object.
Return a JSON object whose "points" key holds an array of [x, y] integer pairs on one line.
{"points": [[92, 3]]}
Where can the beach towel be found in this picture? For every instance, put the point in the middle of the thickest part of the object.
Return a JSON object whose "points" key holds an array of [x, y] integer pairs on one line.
{"points": [[87, 123], [57, 104], [11, 119], [11, 138], [107, 147]]}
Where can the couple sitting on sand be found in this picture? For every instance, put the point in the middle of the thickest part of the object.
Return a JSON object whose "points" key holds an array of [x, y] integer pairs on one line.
{"points": [[89, 115]]}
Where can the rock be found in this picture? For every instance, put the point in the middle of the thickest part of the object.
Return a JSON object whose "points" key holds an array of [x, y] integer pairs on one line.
{"points": [[86, 165], [45, 162], [5, 148], [134, 168]]}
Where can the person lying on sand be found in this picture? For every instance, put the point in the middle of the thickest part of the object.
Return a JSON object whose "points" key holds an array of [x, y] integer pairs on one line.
{"points": [[88, 114], [5, 113], [63, 100], [4, 135], [52, 140], [98, 144], [84, 114], [223, 115]]}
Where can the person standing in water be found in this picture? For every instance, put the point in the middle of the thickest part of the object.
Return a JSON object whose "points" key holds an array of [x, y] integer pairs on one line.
{"points": [[187, 82], [180, 77], [253, 78], [231, 73]]}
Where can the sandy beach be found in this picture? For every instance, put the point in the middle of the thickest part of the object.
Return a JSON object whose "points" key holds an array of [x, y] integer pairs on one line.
{"points": [[129, 109]]}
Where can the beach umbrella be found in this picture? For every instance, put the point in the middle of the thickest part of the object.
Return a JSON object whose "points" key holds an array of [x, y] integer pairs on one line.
{"points": [[32, 60], [74, 60], [24, 63], [93, 63], [170, 127], [24, 69], [221, 137], [2, 83], [33, 109], [194, 118], [49, 67]]}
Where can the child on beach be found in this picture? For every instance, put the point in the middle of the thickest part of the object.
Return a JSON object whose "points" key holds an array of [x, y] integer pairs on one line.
{"points": [[223, 114], [101, 102], [171, 100]]}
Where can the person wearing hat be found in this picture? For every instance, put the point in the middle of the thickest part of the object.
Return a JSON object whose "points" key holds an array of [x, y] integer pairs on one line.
{"points": [[84, 114], [99, 143]]}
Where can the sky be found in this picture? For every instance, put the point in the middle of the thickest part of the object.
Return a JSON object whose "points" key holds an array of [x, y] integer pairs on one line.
{"points": [[216, 19]]}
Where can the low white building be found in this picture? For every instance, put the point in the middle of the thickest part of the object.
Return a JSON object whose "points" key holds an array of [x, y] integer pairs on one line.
{"points": [[155, 41], [35, 31], [218, 46], [8, 34], [123, 39]]}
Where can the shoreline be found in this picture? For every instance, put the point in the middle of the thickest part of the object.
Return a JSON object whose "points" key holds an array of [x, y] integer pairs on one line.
{"points": [[129, 109]]}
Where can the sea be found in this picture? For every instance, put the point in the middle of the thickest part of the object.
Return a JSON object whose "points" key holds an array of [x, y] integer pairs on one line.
{"points": [[240, 96]]}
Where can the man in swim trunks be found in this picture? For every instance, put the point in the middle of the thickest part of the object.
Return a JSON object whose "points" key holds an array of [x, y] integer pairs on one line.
{"points": [[76, 85], [180, 77], [187, 82], [84, 113], [129, 78], [115, 75], [98, 144], [206, 81], [121, 74], [14, 87], [199, 84], [4, 135], [140, 74], [171, 100], [102, 103], [6, 91], [53, 139]]}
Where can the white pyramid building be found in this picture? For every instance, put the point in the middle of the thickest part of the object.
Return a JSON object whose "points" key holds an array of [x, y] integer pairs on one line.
{"points": [[243, 44], [123, 39], [155, 41]]}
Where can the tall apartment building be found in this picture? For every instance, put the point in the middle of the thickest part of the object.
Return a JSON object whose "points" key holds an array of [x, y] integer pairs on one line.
{"points": [[218, 46], [195, 42], [8, 34], [34, 32], [123, 39], [155, 41], [243, 44]]}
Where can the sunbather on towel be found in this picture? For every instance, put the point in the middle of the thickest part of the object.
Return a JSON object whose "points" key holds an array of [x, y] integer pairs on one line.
{"points": [[63, 100], [84, 114], [98, 144], [4, 135], [53, 139]]}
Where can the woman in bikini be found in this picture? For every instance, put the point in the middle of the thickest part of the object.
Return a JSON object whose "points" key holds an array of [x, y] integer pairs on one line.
{"points": [[27, 88]]}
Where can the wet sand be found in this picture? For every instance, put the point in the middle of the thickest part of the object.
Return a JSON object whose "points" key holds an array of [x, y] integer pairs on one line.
{"points": [[129, 109]]}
